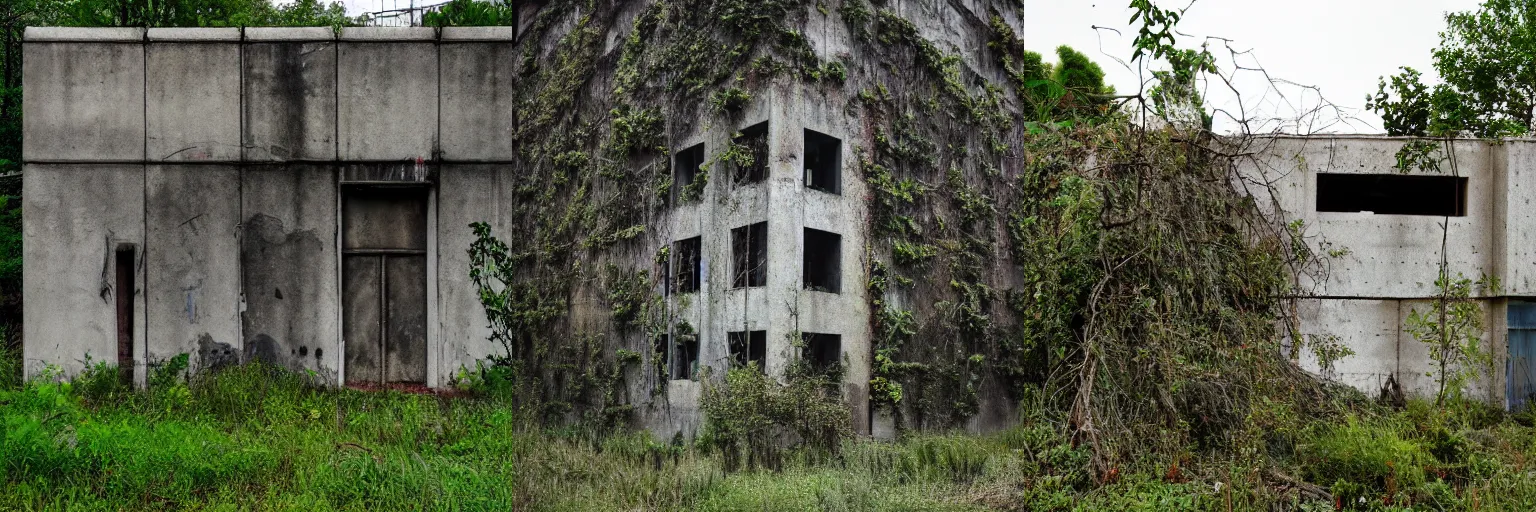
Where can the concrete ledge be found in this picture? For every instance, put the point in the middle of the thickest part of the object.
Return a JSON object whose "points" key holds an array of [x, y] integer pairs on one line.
{"points": [[388, 34], [83, 35], [261, 34], [194, 34], [476, 34]]}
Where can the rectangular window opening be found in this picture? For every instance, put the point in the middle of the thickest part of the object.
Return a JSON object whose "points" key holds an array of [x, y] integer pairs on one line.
{"points": [[749, 255], [822, 351], [822, 266], [685, 168], [687, 267], [124, 267], [1392, 194], [823, 162], [753, 166], [748, 347], [685, 358]]}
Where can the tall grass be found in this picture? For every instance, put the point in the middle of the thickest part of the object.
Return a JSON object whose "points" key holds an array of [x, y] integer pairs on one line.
{"points": [[254, 437]]}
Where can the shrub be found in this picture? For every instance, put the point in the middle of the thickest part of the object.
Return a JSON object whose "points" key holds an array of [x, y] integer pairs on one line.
{"points": [[753, 416], [1364, 459]]}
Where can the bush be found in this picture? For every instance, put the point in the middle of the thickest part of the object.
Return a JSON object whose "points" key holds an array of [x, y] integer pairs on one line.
{"points": [[753, 416], [1365, 460]]}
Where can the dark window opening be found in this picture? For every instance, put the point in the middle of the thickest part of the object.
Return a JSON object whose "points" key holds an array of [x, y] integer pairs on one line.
{"points": [[751, 167], [685, 167], [822, 268], [687, 267], [749, 251], [1392, 194], [748, 347], [823, 162], [685, 358], [822, 352], [124, 296]]}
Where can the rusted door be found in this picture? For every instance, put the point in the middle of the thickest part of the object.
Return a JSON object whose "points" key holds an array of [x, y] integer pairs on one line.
{"points": [[384, 284]]}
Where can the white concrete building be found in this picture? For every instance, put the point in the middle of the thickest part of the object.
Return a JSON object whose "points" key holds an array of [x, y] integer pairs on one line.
{"points": [[1379, 232]]}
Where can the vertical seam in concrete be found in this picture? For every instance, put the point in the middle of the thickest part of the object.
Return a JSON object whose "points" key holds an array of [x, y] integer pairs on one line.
{"points": [[143, 343], [434, 349], [239, 341], [336, 105]]}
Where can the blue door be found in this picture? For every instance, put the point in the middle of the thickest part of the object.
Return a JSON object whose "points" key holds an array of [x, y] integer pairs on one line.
{"points": [[1521, 382]]}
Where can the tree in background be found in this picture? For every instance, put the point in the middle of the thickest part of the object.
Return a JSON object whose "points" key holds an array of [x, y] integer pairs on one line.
{"points": [[472, 13], [1487, 63]]}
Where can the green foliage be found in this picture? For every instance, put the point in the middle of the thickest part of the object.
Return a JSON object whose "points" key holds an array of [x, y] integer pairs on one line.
{"points": [[472, 13], [257, 437], [1361, 460], [1452, 329], [1485, 63], [750, 416], [566, 379]]}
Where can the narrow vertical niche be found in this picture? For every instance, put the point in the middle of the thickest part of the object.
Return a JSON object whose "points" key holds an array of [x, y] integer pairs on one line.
{"points": [[685, 169], [687, 271], [752, 167], [124, 265], [749, 252]]}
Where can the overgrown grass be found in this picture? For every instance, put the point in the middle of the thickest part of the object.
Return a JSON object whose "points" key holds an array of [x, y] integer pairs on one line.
{"points": [[256, 438]]}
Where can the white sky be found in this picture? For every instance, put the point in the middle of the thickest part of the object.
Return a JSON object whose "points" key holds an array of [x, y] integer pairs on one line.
{"points": [[1339, 46]]}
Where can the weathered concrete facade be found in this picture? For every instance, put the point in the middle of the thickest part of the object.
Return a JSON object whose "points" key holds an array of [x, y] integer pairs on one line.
{"points": [[1379, 266], [210, 180]]}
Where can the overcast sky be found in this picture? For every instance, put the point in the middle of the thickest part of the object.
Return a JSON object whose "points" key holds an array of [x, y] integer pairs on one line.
{"points": [[1339, 46]]}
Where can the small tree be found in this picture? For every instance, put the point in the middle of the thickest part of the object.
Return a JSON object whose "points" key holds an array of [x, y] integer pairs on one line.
{"points": [[1452, 327]]}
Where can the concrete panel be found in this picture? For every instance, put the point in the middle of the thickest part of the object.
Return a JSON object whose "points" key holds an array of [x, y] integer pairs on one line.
{"points": [[478, 101], [77, 217], [1519, 227], [84, 102], [466, 194], [290, 101], [193, 109], [1371, 328], [290, 280], [193, 250], [387, 106]]}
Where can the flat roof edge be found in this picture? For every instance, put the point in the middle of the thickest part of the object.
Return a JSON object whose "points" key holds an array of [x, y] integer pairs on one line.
{"points": [[479, 34], [83, 35]]}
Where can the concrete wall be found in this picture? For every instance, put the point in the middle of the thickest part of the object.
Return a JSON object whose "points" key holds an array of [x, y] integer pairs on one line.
{"points": [[218, 156], [1383, 267]]}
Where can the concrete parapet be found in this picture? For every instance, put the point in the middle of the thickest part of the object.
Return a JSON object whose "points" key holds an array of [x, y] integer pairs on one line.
{"points": [[83, 35], [386, 34], [289, 34], [478, 34], [195, 34]]}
